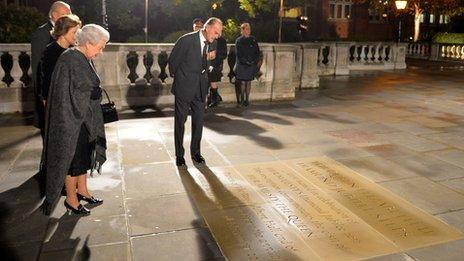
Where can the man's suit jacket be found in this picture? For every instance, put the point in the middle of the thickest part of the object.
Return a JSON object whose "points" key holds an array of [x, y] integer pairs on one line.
{"points": [[186, 66], [39, 40]]}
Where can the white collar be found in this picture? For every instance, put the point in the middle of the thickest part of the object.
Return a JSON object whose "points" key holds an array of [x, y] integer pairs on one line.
{"points": [[202, 37]]}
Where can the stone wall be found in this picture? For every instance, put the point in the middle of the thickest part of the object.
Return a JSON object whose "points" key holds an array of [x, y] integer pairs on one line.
{"points": [[136, 75]]}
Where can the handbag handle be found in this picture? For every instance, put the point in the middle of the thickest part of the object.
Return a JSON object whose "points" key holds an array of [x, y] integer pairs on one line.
{"points": [[107, 96]]}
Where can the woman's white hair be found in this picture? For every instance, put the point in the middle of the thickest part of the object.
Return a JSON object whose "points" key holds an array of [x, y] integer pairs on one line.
{"points": [[92, 33]]}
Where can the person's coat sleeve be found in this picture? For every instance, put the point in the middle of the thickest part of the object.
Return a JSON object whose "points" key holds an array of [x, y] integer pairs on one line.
{"points": [[176, 57]]}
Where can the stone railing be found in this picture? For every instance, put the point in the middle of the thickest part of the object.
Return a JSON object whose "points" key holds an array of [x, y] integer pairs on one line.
{"points": [[136, 75], [436, 52], [418, 50], [342, 57]]}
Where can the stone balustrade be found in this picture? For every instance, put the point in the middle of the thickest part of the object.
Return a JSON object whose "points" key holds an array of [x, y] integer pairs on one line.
{"points": [[342, 57], [420, 50], [136, 75], [436, 52]]}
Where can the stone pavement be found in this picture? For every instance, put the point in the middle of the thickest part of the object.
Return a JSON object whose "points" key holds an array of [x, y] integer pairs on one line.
{"points": [[400, 129]]}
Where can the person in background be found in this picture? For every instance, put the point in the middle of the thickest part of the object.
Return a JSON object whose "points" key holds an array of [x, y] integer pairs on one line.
{"points": [[197, 24], [247, 52], [75, 140], [64, 33], [39, 40], [215, 70]]}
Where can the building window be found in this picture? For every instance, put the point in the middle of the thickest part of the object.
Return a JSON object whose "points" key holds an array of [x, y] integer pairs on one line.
{"points": [[432, 18], [340, 9], [444, 19], [422, 18], [376, 17], [447, 19]]}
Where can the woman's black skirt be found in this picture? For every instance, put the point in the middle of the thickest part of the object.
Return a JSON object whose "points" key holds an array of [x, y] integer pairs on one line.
{"points": [[82, 157]]}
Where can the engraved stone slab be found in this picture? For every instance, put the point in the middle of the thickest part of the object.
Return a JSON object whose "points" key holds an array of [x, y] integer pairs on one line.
{"points": [[398, 220], [307, 209]]}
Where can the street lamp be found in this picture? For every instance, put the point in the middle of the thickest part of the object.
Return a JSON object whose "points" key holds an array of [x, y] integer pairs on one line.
{"points": [[281, 14], [400, 5], [145, 29]]}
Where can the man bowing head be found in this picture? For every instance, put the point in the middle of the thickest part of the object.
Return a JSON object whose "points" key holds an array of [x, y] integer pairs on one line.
{"points": [[188, 64]]}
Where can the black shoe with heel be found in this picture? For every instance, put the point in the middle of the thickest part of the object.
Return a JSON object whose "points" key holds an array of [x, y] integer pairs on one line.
{"points": [[93, 200], [198, 159], [180, 162], [81, 210]]}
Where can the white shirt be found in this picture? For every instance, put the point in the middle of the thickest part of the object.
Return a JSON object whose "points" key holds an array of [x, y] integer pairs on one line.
{"points": [[202, 42]]}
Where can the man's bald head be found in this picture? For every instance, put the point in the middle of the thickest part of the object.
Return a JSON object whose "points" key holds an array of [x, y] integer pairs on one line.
{"points": [[58, 9]]}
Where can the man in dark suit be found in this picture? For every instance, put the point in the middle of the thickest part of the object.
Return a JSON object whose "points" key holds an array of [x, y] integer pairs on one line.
{"points": [[39, 40], [188, 64]]}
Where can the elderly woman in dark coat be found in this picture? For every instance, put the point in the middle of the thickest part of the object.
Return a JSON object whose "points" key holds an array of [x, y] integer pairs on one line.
{"points": [[75, 139], [247, 51]]}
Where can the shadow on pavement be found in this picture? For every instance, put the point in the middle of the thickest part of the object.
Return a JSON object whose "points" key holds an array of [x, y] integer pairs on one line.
{"points": [[228, 126], [220, 203], [23, 227]]}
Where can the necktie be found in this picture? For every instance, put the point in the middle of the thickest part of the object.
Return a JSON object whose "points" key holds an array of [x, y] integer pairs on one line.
{"points": [[204, 60]]}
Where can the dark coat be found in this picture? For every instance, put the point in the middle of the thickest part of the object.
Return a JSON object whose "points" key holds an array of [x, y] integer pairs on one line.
{"points": [[47, 64], [220, 46], [69, 107], [247, 51], [39, 40], [186, 66]]}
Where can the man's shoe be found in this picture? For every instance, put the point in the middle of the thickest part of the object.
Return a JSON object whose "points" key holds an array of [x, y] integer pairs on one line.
{"points": [[180, 161], [198, 159]]}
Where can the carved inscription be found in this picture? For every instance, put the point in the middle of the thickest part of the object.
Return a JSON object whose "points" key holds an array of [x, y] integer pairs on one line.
{"points": [[321, 221], [307, 209], [398, 220]]}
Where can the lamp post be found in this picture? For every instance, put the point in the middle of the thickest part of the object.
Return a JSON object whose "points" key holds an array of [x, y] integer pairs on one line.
{"points": [[145, 29], [104, 15], [400, 5], [281, 14]]}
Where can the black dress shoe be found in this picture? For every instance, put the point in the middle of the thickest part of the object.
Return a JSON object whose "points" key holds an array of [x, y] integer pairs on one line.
{"points": [[93, 200], [80, 210], [180, 161], [197, 158]]}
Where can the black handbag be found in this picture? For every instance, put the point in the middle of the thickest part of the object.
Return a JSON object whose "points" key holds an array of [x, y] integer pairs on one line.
{"points": [[110, 114]]}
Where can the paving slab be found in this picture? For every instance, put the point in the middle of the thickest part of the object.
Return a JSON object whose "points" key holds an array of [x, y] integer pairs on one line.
{"points": [[446, 252], [190, 244], [430, 196], [152, 215]]}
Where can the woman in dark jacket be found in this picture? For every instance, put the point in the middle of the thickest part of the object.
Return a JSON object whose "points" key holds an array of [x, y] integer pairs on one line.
{"points": [[247, 51], [75, 140], [64, 33]]}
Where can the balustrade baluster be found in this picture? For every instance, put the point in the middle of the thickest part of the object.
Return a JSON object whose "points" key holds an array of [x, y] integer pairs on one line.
{"points": [[330, 54], [140, 70], [378, 56], [29, 70], [2, 73], [372, 54], [16, 71], [363, 53], [358, 53], [161, 64]]}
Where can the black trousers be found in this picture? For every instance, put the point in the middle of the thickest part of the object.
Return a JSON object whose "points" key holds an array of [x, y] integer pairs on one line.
{"points": [[182, 107]]}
